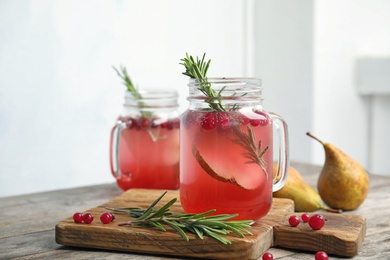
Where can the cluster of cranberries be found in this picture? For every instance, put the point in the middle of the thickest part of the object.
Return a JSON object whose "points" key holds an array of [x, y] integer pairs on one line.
{"points": [[320, 255], [146, 123], [224, 120], [87, 218], [316, 221]]}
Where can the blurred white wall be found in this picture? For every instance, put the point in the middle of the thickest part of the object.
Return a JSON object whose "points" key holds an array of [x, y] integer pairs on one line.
{"points": [[307, 53], [345, 32], [284, 60], [59, 95]]}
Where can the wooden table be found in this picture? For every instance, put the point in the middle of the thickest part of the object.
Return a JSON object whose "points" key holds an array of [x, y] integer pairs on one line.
{"points": [[27, 222]]}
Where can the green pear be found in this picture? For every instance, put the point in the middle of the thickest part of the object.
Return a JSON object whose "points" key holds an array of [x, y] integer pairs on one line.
{"points": [[343, 183], [305, 197]]}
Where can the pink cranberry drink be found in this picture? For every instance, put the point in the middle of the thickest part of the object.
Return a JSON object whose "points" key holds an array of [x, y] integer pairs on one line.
{"points": [[227, 153], [145, 143]]}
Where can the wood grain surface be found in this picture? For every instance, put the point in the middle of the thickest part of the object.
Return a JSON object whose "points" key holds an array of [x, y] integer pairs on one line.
{"points": [[27, 223], [153, 241], [342, 235]]}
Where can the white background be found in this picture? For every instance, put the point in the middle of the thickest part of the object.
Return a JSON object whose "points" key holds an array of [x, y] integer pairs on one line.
{"points": [[59, 95]]}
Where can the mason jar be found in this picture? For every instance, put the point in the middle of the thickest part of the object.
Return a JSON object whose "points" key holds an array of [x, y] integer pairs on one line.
{"points": [[226, 149], [144, 143]]}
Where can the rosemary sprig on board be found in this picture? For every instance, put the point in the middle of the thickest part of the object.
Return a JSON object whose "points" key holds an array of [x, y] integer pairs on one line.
{"points": [[215, 226]]}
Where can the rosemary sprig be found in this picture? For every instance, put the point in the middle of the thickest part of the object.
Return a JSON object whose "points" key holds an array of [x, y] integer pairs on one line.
{"points": [[201, 224], [122, 73], [254, 152], [197, 69]]}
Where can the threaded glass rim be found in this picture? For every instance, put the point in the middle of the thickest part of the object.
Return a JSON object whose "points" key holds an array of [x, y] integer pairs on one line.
{"points": [[153, 98]]}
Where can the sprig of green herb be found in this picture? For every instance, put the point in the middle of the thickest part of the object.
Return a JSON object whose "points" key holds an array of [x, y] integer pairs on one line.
{"points": [[254, 152], [122, 73], [201, 224], [197, 69]]}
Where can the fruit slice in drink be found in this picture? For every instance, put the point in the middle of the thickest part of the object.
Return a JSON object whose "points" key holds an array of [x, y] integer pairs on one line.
{"points": [[218, 171]]}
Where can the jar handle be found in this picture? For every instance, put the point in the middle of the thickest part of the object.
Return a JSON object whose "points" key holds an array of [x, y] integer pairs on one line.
{"points": [[114, 148], [283, 152]]}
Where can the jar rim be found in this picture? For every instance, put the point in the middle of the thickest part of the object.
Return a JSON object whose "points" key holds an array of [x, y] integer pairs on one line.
{"points": [[154, 93], [232, 80]]}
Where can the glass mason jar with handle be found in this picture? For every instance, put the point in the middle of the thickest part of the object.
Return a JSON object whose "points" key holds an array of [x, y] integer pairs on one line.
{"points": [[226, 149], [144, 143]]}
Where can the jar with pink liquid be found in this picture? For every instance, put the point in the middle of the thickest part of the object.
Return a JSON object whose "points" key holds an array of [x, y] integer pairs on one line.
{"points": [[226, 149], [144, 143]]}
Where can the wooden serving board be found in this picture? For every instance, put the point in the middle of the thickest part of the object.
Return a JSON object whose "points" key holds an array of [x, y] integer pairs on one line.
{"points": [[342, 234]]}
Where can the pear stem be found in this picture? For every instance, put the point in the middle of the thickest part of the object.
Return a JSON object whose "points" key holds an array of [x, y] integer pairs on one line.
{"points": [[314, 137]]}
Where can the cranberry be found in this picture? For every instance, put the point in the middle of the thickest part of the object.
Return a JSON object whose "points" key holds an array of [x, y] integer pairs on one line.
{"points": [[267, 256], [164, 125], [254, 122], [176, 123], [144, 122], [223, 120], [135, 124], [294, 221], [130, 122], [208, 121], [78, 217], [305, 217], [105, 217], [87, 218], [264, 120], [321, 255], [243, 119], [316, 221], [154, 124], [170, 125]]}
